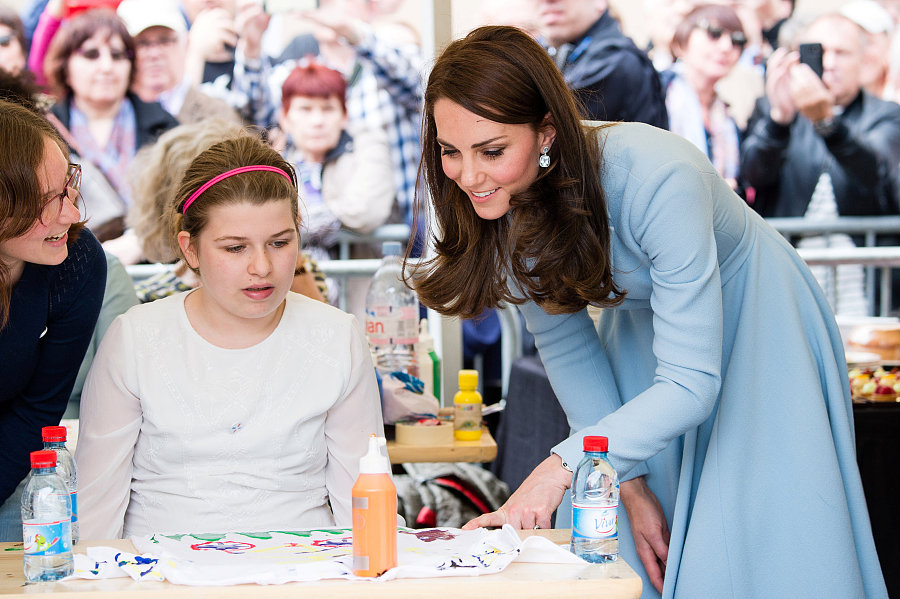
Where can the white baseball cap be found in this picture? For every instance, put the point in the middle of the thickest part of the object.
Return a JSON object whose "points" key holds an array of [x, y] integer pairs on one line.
{"points": [[869, 15], [139, 15]]}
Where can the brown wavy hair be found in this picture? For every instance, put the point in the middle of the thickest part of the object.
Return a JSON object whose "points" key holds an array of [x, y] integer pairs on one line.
{"points": [[22, 136], [257, 187], [554, 241]]}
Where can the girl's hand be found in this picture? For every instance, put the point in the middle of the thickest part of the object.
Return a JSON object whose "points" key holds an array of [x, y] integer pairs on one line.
{"points": [[534, 502], [648, 526]]}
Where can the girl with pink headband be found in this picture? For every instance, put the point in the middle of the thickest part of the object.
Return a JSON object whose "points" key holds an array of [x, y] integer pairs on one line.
{"points": [[238, 405]]}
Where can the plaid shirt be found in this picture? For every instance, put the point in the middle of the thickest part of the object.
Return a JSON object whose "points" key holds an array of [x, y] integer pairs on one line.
{"points": [[384, 89]]}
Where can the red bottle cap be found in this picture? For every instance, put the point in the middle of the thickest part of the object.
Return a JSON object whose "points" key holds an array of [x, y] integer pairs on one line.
{"points": [[44, 458], [596, 444], [53, 433]]}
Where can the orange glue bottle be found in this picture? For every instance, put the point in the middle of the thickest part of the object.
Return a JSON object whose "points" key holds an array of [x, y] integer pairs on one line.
{"points": [[467, 408], [374, 513]]}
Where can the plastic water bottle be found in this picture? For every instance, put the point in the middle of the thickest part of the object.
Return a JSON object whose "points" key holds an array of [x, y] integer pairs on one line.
{"points": [[55, 439], [595, 503], [46, 521], [392, 316]]}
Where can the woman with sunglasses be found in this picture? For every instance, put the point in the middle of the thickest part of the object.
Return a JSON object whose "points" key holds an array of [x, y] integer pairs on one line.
{"points": [[52, 277], [89, 66], [12, 41], [707, 45]]}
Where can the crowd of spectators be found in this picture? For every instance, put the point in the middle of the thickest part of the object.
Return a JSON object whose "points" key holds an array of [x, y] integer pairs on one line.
{"points": [[724, 74]]}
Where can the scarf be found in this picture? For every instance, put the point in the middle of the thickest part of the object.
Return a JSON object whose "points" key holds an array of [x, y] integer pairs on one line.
{"points": [[114, 159], [720, 143]]}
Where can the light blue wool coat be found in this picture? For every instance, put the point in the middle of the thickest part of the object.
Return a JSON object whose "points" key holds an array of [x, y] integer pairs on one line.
{"points": [[722, 378]]}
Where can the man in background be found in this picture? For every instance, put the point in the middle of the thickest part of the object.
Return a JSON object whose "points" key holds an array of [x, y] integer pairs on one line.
{"points": [[160, 39], [821, 148], [614, 80]]}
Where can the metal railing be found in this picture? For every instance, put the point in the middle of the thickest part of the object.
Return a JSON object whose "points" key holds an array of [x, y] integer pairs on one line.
{"points": [[869, 256], [382, 233]]}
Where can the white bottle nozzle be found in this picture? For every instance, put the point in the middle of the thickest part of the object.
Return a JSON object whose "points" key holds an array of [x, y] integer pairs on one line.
{"points": [[375, 461], [426, 341]]}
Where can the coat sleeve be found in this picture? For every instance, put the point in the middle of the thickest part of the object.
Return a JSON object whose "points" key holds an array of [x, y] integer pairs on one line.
{"points": [[669, 218], [359, 187]]}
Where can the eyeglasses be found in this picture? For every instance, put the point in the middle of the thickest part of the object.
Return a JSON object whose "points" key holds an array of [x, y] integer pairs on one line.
{"points": [[6, 40], [52, 208], [738, 39], [162, 42], [93, 54]]}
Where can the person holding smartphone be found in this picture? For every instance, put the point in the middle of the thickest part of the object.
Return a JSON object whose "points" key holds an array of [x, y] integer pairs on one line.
{"points": [[806, 125], [822, 147]]}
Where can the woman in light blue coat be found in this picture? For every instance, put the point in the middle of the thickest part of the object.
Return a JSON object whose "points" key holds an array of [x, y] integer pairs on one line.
{"points": [[717, 371]]}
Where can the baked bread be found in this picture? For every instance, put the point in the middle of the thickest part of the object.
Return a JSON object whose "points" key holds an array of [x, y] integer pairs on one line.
{"points": [[881, 339]]}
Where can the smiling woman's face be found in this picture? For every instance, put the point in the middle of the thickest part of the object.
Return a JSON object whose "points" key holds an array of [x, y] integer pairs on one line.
{"points": [[99, 71], [489, 161], [44, 242]]}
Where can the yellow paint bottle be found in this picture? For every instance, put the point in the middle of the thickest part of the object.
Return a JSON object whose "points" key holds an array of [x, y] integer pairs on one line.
{"points": [[467, 404]]}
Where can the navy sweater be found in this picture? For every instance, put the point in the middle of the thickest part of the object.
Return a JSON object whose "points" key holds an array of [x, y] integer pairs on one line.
{"points": [[52, 314]]}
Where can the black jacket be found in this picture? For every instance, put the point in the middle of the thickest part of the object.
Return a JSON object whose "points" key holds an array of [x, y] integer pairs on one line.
{"points": [[783, 163], [613, 79]]}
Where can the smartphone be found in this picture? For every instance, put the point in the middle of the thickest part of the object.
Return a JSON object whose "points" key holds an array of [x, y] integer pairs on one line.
{"points": [[811, 55], [276, 6]]}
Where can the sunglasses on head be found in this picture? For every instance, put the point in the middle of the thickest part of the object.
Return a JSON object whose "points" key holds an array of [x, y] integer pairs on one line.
{"points": [[738, 39], [94, 54], [6, 40]]}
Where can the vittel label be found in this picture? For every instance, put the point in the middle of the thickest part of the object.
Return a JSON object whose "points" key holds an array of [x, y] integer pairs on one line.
{"points": [[594, 522], [47, 538]]}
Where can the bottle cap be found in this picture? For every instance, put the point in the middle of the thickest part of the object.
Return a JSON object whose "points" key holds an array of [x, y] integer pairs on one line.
{"points": [[375, 461], [43, 458], [53, 433], [468, 379], [391, 248], [596, 444]]}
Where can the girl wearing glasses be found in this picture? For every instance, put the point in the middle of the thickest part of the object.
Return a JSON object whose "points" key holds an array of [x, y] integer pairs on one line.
{"points": [[89, 67], [52, 277], [707, 45], [238, 405], [716, 371]]}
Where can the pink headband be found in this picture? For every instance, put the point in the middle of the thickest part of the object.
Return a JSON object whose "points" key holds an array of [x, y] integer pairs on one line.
{"points": [[231, 173]]}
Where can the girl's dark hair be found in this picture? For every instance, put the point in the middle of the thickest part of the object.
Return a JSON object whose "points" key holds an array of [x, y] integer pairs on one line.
{"points": [[23, 133], [72, 35], [256, 187], [554, 242]]}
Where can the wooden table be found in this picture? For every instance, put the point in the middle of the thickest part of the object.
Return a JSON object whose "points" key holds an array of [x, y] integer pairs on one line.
{"points": [[522, 581], [483, 450]]}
